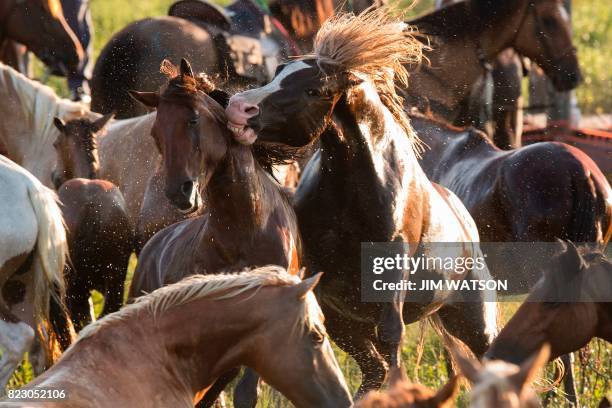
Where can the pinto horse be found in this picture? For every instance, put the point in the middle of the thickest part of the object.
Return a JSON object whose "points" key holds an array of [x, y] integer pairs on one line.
{"points": [[40, 26], [364, 184], [538, 193], [33, 250], [248, 221], [175, 342], [469, 35], [100, 235]]}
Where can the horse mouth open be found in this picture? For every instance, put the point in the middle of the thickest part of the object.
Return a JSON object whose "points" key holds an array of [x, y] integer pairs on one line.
{"points": [[243, 133]]}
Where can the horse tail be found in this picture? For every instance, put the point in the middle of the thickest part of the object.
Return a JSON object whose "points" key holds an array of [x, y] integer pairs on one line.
{"points": [[51, 252], [452, 345]]}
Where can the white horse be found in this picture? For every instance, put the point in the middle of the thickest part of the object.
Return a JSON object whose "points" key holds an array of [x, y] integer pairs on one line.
{"points": [[33, 250]]}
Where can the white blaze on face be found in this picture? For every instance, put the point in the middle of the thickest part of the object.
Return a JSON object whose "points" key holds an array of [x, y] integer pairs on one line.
{"points": [[241, 107]]}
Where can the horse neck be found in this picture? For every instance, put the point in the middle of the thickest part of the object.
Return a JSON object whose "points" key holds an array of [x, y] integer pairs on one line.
{"points": [[180, 351], [238, 194], [443, 83]]}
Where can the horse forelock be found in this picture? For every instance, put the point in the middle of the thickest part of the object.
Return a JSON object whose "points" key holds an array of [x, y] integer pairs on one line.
{"points": [[375, 44], [218, 286]]}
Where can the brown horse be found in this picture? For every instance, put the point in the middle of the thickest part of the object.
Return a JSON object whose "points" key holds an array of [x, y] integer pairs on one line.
{"points": [[131, 58], [499, 384], [364, 184], [41, 27], [467, 37], [568, 307], [248, 221], [404, 394], [537, 193], [99, 231], [168, 349]]}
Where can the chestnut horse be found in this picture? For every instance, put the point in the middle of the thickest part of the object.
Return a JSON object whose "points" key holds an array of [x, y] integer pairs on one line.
{"points": [[364, 184], [248, 221], [33, 250], [468, 36], [100, 235], [168, 349], [568, 307], [499, 384], [538, 193], [41, 27], [131, 58], [404, 394]]}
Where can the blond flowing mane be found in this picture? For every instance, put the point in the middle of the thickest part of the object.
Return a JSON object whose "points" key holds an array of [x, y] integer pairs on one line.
{"points": [[219, 286], [39, 103], [374, 43]]}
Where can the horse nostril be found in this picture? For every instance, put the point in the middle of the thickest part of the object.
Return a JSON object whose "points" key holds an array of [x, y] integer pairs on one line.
{"points": [[251, 110], [186, 188]]}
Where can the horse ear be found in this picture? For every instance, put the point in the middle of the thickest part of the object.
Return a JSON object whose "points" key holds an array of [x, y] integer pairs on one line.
{"points": [[186, 68], [307, 285], [447, 393], [99, 124], [531, 367], [573, 254], [59, 124], [469, 366], [604, 403], [149, 99], [348, 79], [397, 376]]}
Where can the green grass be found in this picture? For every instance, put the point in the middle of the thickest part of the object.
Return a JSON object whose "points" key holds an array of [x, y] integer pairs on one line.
{"points": [[592, 23]]}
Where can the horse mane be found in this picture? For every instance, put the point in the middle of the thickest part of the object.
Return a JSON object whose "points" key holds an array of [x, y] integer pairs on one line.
{"points": [[185, 88], [376, 44], [196, 287], [303, 18], [565, 279], [465, 18], [39, 103]]}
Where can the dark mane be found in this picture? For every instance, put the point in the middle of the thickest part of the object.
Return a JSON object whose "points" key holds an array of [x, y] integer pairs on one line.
{"points": [[465, 18], [568, 274], [186, 90]]}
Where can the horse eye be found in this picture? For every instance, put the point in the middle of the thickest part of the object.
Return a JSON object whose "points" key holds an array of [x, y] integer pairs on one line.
{"points": [[549, 22], [316, 337], [194, 121], [313, 92]]}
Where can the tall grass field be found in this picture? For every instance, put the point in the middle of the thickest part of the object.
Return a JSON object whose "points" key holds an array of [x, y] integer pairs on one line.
{"points": [[593, 37]]}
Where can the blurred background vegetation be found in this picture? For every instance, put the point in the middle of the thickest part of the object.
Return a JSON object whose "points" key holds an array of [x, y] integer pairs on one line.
{"points": [[592, 35]]}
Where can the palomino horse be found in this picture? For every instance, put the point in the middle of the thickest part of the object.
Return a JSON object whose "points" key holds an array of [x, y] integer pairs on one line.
{"points": [[467, 37], [567, 308], [175, 342], [131, 58], [248, 220], [32, 253], [404, 394], [538, 193], [100, 235], [364, 184], [40, 26], [499, 384]]}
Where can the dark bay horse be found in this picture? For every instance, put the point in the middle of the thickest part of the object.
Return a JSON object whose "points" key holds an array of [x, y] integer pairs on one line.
{"points": [[568, 307], [537, 193], [168, 349], [100, 234], [41, 27], [467, 37], [404, 394], [248, 221], [364, 184], [131, 58]]}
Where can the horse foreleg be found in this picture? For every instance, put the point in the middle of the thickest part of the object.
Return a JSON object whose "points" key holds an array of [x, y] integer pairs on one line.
{"points": [[357, 339], [569, 383], [115, 285], [390, 333], [247, 390], [217, 388]]}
